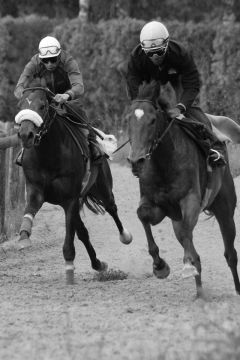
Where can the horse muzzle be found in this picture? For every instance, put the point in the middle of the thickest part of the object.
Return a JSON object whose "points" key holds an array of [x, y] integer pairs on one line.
{"points": [[27, 138], [137, 166]]}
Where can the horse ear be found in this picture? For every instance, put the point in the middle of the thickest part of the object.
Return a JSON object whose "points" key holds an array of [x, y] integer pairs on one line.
{"points": [[156, 90], [163, 103]]}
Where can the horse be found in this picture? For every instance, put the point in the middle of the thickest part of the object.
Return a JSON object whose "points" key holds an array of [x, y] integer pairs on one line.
{"points": [[176, 182], [56, 168]]}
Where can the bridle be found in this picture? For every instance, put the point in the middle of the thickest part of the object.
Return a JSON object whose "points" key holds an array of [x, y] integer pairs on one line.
{"points": [[159, 135], [47, 120]]}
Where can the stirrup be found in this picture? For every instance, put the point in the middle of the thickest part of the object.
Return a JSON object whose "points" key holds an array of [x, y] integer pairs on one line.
{"points": [[18, 159], [216, 159]]}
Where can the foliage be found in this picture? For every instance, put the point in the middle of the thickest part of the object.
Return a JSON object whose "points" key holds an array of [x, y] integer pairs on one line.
{"points": [[19, 41], [50, 8], [102, 51], [184, 10]]}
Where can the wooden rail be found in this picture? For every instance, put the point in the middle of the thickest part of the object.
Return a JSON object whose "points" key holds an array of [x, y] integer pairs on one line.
{"points": [[12, 184]]}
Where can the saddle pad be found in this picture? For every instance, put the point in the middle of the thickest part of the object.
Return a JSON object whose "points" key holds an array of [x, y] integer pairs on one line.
{"points": [[198, 132]]}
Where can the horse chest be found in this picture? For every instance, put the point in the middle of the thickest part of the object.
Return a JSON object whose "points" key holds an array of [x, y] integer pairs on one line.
{"points": [[165, 189]]}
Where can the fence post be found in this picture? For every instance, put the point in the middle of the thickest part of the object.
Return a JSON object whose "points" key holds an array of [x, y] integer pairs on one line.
{"points": [[12, 197], [2, 188]]}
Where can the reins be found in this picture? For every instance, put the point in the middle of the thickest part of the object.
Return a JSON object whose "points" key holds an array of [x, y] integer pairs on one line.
{"points": [[127, 141], [74, 112], [157, 141], [159, 137]]}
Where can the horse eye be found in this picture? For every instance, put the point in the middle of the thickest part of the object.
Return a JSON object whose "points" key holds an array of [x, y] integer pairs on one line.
{"points": [[42, 107], [152, 121]]}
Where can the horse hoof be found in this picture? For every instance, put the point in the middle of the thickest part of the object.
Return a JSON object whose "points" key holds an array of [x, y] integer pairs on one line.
{"points": [[189, 270], [126, 237], [24, 244], [161, 273], [103, 266]]}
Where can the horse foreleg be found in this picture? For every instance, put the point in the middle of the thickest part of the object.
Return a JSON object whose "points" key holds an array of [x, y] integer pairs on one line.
{"points": [[83, 235], [183, 229], [71, 210], [147, 215], [34, 202]]}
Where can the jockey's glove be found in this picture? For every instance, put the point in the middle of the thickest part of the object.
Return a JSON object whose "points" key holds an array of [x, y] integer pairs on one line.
{"points": [[174, 112], [61, 98]]}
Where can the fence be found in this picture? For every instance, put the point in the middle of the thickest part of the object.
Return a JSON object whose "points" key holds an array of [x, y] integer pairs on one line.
{"points": [[12, 190]]}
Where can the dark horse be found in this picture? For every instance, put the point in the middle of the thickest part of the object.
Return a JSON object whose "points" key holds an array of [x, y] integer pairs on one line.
{"points": [[55, 170], [176, 182]]}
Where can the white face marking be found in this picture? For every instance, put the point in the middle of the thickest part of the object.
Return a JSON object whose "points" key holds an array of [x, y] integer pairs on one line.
{"points": [[29, 101], [139, 113]]}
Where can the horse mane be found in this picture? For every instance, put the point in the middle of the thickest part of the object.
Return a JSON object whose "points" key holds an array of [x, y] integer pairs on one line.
{"points": [[163, 103], [151, 91]]}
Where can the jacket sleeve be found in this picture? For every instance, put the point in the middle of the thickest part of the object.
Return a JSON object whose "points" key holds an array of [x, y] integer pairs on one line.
{"points": [[133, 78], [26, 76], [190, 79], [75, 78]]}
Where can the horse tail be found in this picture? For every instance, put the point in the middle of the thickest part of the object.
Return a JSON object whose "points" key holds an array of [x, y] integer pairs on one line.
{"points": [[93, 204]]}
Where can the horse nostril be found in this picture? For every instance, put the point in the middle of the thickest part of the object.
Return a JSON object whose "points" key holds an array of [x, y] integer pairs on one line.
{"points": [[31, 135], [137, 166]]}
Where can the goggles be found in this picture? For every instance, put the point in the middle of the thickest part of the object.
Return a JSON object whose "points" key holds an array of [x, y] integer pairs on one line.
{"points": [[159, 52], [158, 47], [49, 50], [52, 60]]}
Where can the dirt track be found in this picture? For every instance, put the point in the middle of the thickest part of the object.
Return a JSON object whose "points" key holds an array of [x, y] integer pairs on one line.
{"points": [[137, 318]]}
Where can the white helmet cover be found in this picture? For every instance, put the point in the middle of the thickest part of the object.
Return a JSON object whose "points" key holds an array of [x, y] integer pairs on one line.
{"points": [[49, 47], [154, 36]]}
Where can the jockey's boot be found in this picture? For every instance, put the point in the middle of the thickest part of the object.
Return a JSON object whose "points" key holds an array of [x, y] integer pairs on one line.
{"points": [[95, 153], [216, 155]]}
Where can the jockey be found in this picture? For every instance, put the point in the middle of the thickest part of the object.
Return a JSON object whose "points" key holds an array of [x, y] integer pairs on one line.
{"points": [[62, 76], [162, 59]]}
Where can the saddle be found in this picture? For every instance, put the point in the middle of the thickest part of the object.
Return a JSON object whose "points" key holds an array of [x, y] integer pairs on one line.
{"points": [[202, 136], [198, 132]]}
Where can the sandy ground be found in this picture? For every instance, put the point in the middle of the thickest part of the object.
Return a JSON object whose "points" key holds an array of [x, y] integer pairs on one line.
{"points": [[139, 317]]}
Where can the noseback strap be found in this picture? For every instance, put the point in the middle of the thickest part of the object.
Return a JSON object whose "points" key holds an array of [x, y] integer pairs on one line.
{"points": [[28, 114]]}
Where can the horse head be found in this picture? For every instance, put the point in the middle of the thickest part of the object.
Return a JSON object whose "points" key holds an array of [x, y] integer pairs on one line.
{"points": [[33, 113], [146, 122]]}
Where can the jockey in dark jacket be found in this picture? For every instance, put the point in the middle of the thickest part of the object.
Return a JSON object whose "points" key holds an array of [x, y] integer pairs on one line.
{"points": [[159, 58], [62, 76]]}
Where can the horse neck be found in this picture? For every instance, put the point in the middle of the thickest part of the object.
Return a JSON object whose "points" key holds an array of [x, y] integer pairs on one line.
{"points": [[52, 141], [170, 149]]}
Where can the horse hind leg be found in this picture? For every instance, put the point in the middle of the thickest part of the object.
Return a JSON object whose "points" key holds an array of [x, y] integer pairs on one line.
{"points": [[83, 235], [71, 208], [124, 235], [102, 190], [223, 209]]}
